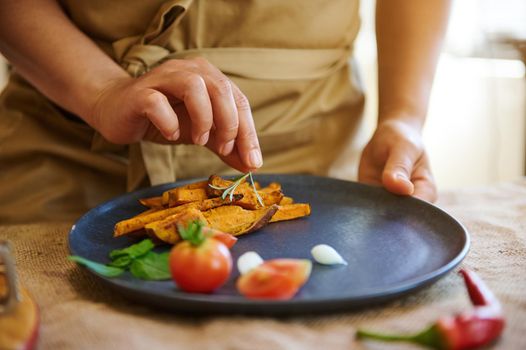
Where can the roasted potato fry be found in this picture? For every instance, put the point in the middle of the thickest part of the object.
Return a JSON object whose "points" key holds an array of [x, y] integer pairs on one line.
{"points": [[290, 212], [250, 201], [137, 223], [236, 220], [286, 200], [186, 195], [166, 230], [192, 186], [152, 202], [217, 181], [269, 195], [273, 186], [199, 201], [149, 211]]}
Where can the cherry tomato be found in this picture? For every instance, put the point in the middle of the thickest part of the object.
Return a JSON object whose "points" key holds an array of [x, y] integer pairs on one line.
{"points": [[278, 279], [202, 268]]}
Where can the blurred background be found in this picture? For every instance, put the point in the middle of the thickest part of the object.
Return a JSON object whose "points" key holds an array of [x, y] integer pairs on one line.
{"points": [[476, 127]]}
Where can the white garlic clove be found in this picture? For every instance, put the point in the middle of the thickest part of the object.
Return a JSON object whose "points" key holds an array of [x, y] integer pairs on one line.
{"points": [[248, 261], [326, 255]]}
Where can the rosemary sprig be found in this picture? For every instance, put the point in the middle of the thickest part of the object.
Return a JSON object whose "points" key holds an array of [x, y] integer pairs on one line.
{"points": [[255, 190], [230, 190]]}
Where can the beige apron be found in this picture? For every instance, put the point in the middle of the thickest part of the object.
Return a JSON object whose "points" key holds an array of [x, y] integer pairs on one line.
{"points": [[290, 58]]}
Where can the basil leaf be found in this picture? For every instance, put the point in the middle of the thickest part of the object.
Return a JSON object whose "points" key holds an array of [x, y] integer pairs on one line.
{"points": [[151, 266], [101, 269], [133, 251], [122, 261]]}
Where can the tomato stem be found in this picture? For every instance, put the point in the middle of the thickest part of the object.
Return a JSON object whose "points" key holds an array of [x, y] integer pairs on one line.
{"points": [[429, 337], [193, 233]]}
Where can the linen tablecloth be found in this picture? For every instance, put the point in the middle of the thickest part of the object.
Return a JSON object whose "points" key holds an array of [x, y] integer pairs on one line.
{"points": [[78, 312]]}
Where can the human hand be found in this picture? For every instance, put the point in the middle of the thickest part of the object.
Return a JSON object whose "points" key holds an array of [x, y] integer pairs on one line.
{"points": [[396, 159], [180, 101]]}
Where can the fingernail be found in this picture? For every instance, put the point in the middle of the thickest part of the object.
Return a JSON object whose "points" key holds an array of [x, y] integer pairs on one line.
{"points": [[175, 135], [227, 148], [401, 176], [203, 139], [255, 158]]}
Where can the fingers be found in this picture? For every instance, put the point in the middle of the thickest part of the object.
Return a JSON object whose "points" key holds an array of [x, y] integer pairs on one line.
{"points": [[395, 158], [156, 108], [191, 89], [407, 172], [225, 113], [425, 190], [219, 112], [247, 141], [423, 181], [208, 96], [396, 176]]}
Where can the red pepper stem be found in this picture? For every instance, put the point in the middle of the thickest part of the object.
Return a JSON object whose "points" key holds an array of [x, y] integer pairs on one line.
{"points": [[430, 337]]}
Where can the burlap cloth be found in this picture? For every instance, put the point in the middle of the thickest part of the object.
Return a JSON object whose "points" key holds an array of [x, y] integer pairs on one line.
{"points": [[79, 313]]}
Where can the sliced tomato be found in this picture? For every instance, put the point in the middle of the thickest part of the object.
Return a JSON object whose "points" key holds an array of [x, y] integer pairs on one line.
{"points": [[278, 279], [223, 237]]}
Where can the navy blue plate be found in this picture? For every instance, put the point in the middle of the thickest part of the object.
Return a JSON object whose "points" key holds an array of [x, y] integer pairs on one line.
{"points": [[394, 245]]}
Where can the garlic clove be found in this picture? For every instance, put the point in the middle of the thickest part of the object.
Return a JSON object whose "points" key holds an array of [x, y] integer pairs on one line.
{"points": [[327, 255], [248, 261]]}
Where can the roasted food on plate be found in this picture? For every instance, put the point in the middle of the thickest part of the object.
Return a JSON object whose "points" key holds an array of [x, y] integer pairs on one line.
{"points": [[236, 207]]}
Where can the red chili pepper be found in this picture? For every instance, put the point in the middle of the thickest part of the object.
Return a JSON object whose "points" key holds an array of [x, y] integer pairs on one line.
{"points": [[468, 330]]}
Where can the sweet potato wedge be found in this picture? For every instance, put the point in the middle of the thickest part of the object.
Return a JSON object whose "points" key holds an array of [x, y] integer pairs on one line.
{"points": [[181, 196], [152, 202], [192, 186], [290, 212], [250, 200], [149, 211], [217, 181], [137, 223], [286, 200], [236, 220], [273, 186], [269, 195], [166, 230]]}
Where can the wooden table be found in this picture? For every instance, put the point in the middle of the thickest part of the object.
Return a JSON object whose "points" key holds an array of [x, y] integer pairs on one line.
{"points": [[80, 313]]}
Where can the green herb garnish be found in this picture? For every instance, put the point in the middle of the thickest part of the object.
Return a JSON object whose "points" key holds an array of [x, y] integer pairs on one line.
{"points": [[101, 269], [122, 261], [151, 266], [133, 251], [138, 258], [229, 190], [192, 233]]}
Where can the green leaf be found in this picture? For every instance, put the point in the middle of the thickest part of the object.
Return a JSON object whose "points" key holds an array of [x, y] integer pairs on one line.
{"points": [[151, 266], [122, 261], [101, 269], [133, 251]]}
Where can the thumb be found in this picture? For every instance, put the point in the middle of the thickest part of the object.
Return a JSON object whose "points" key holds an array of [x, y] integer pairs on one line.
{"points": [[396, 176]]}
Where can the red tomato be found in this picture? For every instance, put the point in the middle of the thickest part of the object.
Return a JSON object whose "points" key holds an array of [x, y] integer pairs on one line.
{"points": [[275, 279], [200, 269], [225, 238]]}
